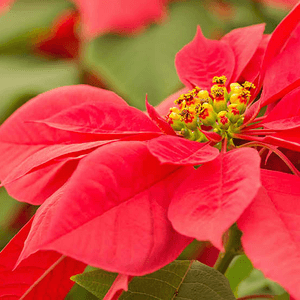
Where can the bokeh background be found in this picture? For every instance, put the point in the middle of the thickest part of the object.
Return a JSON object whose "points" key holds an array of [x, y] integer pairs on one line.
{"points": [[43, 47]]}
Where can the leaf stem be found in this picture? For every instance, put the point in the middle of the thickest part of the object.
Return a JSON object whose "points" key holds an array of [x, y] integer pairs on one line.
{"points": [[256, 296], [224, 261], [232, 248]]}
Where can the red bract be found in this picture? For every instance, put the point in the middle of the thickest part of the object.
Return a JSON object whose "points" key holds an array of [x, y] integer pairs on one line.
{"points": [[273, 211], [83, 152], [109, 195], [120, 16], [62, 39], [5, 4], [44, 275], [117, 188], [202, 59]]}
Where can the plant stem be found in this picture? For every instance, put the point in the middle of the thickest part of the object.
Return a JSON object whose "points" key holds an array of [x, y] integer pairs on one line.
{"points": [[232, 248], [256, 296], [224, 261]]}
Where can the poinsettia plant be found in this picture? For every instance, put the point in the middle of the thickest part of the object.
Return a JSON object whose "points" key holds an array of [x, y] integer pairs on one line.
{"points": [[127, 191]]}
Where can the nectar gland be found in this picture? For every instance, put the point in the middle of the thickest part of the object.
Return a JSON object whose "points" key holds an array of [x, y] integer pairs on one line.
{"points": [[219, 111]]}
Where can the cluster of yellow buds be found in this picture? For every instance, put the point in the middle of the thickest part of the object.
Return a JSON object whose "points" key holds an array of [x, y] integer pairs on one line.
{"points": [[218, 110]]}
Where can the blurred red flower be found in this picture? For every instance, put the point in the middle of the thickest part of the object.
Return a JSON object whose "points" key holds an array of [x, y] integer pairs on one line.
{"points": [[121, 16]]}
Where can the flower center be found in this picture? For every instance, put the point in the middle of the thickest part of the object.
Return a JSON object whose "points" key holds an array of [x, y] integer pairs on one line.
{"points": [[219, 111]]}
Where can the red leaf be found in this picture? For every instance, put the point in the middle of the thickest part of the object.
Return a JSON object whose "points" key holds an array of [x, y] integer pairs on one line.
{"points": [[19, 138], [124, 224], [287, 107], [39, 184], [44, 275], [209, 201], [238, 40], [61, 40], [252, 70], [282, 55], [48, 154], [284, 124], [5, 5], [101, 118], [178, 151], [289, 139], [212, 136], [270, 225], [280, 36], [209, 255], [202, 59], [119, 285], [158, 120], [122, 16]]}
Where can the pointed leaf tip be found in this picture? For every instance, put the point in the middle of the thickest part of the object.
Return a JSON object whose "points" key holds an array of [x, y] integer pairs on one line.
{"points": [[158, 120], [202, 59]]}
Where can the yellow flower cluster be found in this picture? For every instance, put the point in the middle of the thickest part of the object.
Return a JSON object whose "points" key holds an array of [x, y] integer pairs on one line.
{"points": [[218, 110]]}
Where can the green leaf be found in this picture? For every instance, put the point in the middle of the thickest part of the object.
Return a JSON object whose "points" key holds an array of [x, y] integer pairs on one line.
{"points": [[238, 270], [96, 282], [204, 283], [257, 283], [181, 279], [23, 77], [8, 208], [136, 65], [162, 284], [284, 296]]}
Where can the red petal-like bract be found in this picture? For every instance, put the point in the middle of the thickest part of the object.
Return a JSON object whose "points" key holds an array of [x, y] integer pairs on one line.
{"points": [[37, 157], [251, 71], [119, 285], [284, 118], [202, 59], [122, 16], [208, 202], [116, 203], [280, 36], [270, 225], [285, 115], [61, 39], [103, 118], [243, 50], [20, 137], [44, 275], [4, 5], [282, 55], [39, 184], [179, 151], [158, 120]]}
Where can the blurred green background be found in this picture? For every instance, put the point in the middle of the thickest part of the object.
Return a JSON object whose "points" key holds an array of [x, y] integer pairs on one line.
{"points": [[35, 57]]}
